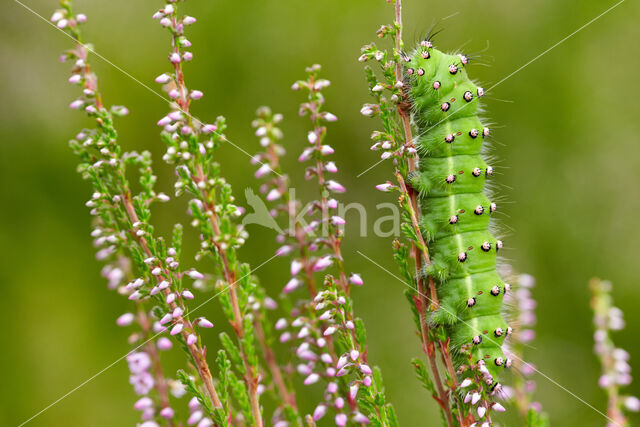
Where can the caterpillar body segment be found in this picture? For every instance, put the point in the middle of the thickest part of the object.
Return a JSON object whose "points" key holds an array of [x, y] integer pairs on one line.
{"points": [[455, 206]]}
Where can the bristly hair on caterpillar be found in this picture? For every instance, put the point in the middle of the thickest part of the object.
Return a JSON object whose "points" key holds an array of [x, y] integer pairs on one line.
{"points": [[455, 205]]}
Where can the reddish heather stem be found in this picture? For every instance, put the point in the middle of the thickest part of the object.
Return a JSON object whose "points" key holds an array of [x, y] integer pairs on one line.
{"points": [[422, 292], [197, 354]]}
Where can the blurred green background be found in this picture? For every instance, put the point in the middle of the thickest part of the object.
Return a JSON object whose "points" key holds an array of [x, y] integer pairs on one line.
{"points": [[566, 131]]}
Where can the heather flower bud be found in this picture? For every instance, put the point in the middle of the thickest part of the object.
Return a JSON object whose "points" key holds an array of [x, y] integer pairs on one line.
{"points": [[355, 279], [204, 323], [177, 329], [125, 320], [311, 379], [319, 412], [164, 343]]}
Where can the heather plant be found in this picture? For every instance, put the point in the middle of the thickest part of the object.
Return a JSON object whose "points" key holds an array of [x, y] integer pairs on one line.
{"points": [[321, 325], [474, 318], [616, 372]]}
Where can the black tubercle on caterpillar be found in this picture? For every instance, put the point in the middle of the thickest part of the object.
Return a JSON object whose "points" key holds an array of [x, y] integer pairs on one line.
{"points": [[455, 210]]}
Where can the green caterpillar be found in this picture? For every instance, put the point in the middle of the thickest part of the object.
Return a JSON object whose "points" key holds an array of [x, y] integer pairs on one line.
{"points": [[455, 207]]}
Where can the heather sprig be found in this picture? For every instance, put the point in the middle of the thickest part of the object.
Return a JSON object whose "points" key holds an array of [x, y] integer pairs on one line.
{"points": [[395, 142], [521, 308], [322, 328], [123, 229], [616, 372], [191, 147]]}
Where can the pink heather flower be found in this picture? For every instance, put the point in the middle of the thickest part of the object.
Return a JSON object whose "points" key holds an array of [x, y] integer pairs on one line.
{"points": [[353, 391], [367, 381], [354, 354], [528, 369], [196, 94], [632, 403], [209, 128], [173, 94], [336, 220], [306, 155], [355, 279], [143, 403], [194, 418], [322, 263], [177, 329], [77, 104], [166, 318], [274, 194], [164, 121], [329, 117], [325, 150], [135, 296], [187, 56], [350, 325], [360, 418], [174, 58], [312, 136], [329, 331], [386, 187], [527, 335], [206, 422], [164, 343], [285, 337], [465, 383], [175, 115], [177, 312], [163, 78], [270, 303], [155, 290], [475, 397], [365, 369], [319, 412], [62, 23], [263, 170], [166, 412], [481, 411], [292, 285], [331, 167], [204, 323], [311, 379], [281, 324], [187, 294], [335, 186], [75, 79], [304, 369], [284, 250], [125, 320], [165, 22], [57, 15], [498, 407], [194, 274], [194, 403], [138, 362], [341, 420], [188, 20], [332, 204], [296, 266], [192, 339], [366, 111]]}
